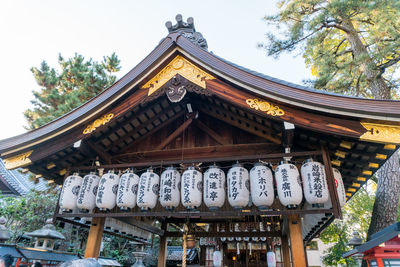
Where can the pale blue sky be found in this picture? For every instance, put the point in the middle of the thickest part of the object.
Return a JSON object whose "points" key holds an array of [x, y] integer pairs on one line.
{"points": [[32, 31]]}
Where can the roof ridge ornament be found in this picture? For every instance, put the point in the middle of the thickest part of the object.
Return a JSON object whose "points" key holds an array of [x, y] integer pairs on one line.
{"points": [[187, 30]]}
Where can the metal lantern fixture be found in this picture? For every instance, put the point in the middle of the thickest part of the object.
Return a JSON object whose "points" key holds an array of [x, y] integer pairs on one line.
{"points": [[149, 184], [214, 187], [288, 185], [69, 193], [127, 190], [86, 201], [191, 191], [169, 189], [238, 186], [340, 187], [314, 182], [107, 191], [261, 186]]}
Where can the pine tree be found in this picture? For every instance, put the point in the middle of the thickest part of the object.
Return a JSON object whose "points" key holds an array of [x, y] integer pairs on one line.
{"points": [[352, 47], [77, 81]]}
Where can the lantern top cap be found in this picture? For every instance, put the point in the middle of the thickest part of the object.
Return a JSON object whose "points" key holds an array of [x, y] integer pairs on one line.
{"points": [[48, 231]]}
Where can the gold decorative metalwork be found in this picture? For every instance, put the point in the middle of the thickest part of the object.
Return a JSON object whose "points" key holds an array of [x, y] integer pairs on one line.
{"points": [[389, 147], [97, 123], [346, 144], [265, 106], [366, 172], [179, 65], [340, 154], [381, 156], [336, 162], [20, 160], [373, 165], [383, 133], [362, 179]]}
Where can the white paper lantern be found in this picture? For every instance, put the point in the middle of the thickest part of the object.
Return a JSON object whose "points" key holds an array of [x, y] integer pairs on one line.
{"points": [[288, 185], [149, 184], [86, 201], [69, 193], [214, 188], [192, 187], [246, 238], [169, 190], [339, 186], [238, 186], [261, 186], [127, 190], [314, 182], [107, 191]]}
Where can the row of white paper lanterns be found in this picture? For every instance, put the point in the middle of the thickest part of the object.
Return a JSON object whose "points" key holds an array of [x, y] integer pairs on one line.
{"points": [[130, 190]]}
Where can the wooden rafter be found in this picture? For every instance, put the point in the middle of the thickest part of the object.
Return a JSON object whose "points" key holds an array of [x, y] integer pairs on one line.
{"points": [[221, 140], [240, 122]]}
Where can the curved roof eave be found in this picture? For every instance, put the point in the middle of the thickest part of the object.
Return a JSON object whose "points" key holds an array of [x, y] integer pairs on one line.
{"points": [[290, 93]]}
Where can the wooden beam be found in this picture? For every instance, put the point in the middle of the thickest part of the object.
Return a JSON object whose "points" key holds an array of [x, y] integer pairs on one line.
{"points": [[162, 252], [94, 239], [221, 140], [226, 234], [225, 115], [285, 251], [153, 131], [176, 133], [296, 241], [200, 152], [100, 152], [337, 211], [142, 225], [272, 156]]}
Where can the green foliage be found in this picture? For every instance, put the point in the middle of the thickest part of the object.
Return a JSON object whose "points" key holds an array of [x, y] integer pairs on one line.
{"points": [[321, 30], [27, 213], [356, 217], [60, 92]]}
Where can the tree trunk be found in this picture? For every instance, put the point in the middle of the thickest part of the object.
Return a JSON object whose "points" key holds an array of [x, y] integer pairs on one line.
{"points": [[387, 195], [377, 85]]}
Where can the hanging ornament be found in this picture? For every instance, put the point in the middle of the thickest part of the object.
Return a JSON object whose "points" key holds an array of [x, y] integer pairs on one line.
{"points": [[315, 186], [246, 238], [223, 239], [214, 187], [107, 191], [238, 186], [192, 186], [254, 238], [288, 185], [217, 258], [127, 190], [237, 229], [169, 190], [340, 187], [149, 183], [262, 229], [237, 248], [69, 193], [250, 248], [86, 201], [261, 186]]}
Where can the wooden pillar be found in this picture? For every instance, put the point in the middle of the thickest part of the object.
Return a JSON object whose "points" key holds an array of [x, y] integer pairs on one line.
{"points": [[95, 236], [296, 242], [162, 252], [247, 255], [330, 179], [285, 251], [225, 254]]}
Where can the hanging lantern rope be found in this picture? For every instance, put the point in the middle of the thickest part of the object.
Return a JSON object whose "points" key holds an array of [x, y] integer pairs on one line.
{"points": [[184, 245]]}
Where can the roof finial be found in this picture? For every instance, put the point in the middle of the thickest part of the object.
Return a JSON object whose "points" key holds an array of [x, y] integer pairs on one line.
{"points": [[187, 30]]}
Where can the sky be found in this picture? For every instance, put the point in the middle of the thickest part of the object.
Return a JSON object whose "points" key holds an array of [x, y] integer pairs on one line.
{"points": [[35, 30]]}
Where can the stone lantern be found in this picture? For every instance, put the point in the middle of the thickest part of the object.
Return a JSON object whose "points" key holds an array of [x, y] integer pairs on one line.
{"points": [[46, 236], [4, 233]]}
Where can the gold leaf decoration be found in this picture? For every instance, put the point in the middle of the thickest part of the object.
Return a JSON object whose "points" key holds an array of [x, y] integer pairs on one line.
{"points": [[265, 106], [18, 161], [383, 133], [179, 65], [97, 123]]}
